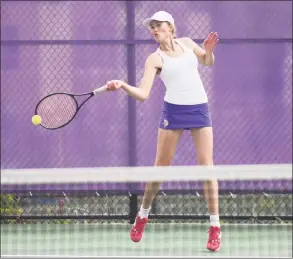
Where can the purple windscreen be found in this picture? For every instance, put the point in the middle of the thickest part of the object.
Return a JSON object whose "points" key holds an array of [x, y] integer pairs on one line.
{"points": [[56, 110]]}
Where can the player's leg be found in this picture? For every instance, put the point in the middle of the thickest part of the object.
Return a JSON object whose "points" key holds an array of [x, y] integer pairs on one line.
{"points": [[203, 140], [166, 147]]}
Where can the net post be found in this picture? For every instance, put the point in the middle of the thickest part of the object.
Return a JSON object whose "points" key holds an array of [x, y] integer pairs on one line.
{"points": [[132, 158]]}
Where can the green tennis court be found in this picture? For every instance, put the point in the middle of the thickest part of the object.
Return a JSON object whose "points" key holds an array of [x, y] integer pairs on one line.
{"points": [[169, 239]]}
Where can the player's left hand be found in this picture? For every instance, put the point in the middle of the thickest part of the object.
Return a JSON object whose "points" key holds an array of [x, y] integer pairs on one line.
{"points": [[211, 41]]}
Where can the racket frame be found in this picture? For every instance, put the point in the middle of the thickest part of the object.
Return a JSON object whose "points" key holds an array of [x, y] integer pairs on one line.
{"points": [[72, 95]]}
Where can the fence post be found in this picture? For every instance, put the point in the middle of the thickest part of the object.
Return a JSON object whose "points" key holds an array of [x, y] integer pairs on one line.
{"points": [[132, 158]]}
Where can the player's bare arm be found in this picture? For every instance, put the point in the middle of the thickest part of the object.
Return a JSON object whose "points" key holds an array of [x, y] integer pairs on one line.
{"points": [[205, 53], [141, 93]]}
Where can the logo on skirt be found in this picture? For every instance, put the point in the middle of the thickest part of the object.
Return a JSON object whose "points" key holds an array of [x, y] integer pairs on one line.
{"points": [[166, 123]]}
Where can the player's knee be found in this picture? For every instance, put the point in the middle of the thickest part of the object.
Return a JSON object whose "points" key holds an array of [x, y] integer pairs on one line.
{"points": [[163, 161]]}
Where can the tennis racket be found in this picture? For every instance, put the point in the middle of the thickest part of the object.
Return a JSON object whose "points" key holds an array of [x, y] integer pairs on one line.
{"points": [[58, 109]]}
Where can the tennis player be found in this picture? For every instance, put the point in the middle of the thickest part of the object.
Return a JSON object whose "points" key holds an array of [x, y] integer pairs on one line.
{"points": [[185, 108]]}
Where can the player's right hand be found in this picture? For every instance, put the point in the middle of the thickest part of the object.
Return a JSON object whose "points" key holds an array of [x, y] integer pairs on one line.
{"points": [[114, 85]]}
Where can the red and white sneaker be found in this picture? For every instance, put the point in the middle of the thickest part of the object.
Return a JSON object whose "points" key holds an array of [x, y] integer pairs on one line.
{"points": [[214, 241], [137, 229]]}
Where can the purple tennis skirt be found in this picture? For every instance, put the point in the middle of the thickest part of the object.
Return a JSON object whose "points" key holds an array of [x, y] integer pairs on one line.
{"points": [[186, 117]]}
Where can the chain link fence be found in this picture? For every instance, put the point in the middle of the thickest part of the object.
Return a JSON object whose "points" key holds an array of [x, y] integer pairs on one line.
{"points": [[75, 46], [101, 207]]}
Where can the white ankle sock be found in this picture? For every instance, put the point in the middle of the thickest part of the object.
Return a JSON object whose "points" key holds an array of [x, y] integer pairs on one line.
{"points": [[144, 213], [215, 220]]}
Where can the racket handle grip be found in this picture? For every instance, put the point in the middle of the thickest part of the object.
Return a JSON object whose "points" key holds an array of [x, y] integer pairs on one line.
{"points": [[100, 89]]}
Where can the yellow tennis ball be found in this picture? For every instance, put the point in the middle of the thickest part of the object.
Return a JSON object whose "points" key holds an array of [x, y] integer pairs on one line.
{"points": [[36, 119]]}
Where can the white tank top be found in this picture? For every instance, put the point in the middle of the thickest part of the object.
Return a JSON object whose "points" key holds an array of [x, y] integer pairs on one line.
{"points": [[181, 78]]}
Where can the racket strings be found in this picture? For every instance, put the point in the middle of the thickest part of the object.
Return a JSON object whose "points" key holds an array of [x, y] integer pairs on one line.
{"points": [[57, 110]]}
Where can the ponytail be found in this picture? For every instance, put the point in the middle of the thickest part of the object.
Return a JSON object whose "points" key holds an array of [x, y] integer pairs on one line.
{"points": [[173, 34]]}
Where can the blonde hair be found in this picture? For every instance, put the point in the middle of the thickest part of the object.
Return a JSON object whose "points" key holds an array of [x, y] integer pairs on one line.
{"points": [[173, 34], [173, 29]]}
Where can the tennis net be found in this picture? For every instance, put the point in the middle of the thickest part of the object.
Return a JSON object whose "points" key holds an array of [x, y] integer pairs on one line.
{"points": [[89, 211]]}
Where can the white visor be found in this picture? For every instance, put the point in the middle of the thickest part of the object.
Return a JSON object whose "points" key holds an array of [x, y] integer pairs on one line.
{"points": [[160, 16]]}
